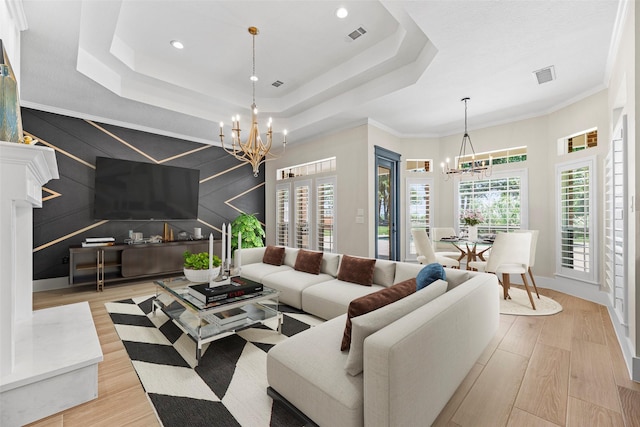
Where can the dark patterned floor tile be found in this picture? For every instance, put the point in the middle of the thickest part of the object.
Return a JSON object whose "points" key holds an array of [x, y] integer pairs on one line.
{"points": [[147, 305], [218, 364], [131, 319], [154, 353], [291, 326], [171, 331], [183, 411]]}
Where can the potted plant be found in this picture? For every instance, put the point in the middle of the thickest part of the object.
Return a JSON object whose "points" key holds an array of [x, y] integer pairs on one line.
{"points": [[196, 267], [251, 229]]}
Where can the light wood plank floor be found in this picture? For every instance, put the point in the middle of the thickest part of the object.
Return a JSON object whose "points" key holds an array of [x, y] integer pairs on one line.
{"points": [[560, 370]]}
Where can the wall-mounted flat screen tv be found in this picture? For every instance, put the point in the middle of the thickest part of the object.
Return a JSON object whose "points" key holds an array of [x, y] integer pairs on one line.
{"points": [[130, 190]]}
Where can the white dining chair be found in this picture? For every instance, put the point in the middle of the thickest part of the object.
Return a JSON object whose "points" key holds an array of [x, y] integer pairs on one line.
{"points": [[532, 255], [510, 254], [444, 248], [425, 252]]}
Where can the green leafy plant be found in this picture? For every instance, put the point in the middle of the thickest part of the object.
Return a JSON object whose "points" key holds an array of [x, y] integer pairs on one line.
{"points": [[199, 261], [251, 229]]}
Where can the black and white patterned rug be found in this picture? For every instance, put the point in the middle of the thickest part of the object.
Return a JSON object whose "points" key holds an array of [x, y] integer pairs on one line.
{"points": [[229, 386]]}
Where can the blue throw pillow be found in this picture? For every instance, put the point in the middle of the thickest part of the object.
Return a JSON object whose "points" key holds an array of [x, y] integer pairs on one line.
{"points": [[429, 274]]}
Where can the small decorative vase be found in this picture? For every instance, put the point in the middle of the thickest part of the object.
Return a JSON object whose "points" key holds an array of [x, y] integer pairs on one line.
{"points": [[201, 276], [472, 233]]}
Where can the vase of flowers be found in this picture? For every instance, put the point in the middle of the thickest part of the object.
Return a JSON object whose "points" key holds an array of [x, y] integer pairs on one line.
{"points": [[471, 219]]}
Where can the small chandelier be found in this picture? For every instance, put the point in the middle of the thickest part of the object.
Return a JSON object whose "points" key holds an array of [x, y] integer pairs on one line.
{"points": [[254, 151], [481, 168]]}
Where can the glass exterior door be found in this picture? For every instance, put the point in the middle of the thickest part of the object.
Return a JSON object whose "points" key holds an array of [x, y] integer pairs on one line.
{"points": [[386, 208]]}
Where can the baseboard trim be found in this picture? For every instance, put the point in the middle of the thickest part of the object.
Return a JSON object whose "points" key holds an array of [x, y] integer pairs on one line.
{"points": [[50, 284], [277, 397]]}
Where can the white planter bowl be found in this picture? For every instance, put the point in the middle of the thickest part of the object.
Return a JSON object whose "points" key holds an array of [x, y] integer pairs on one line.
{"points": [[201, 276]]}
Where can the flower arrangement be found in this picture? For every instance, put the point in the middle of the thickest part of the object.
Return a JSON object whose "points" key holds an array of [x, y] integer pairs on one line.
{"points": [[471, 218]]}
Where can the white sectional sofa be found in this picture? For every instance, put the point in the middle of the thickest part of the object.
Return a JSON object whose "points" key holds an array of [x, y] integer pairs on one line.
{"points": [[406, 358]]}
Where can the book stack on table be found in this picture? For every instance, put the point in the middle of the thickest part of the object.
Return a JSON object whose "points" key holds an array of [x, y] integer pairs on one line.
{"points": [[232, 317], [237, 287], [98, 241]]}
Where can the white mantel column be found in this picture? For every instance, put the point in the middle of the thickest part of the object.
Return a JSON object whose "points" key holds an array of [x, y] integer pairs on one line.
{"points": [[24, 169]]}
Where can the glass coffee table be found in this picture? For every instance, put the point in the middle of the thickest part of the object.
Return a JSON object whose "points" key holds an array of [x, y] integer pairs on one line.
{"points": [[208, 322]]}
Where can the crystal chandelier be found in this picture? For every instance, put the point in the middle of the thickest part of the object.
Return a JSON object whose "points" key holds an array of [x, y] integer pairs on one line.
{"points": [[473, 167], [253, 151]]}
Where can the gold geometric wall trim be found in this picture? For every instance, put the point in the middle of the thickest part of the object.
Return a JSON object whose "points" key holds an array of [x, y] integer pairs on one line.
{"points": [[67, 236], [142, 152], [61, 151], [53, 194], [228, 202]]}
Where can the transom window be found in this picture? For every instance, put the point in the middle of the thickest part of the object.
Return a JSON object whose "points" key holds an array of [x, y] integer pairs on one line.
{"points": [[497, 157], [578, 141], [307, 169], [419, 165]]}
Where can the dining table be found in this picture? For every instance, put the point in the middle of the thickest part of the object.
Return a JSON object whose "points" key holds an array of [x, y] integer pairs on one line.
{"points": [[472, 250]]}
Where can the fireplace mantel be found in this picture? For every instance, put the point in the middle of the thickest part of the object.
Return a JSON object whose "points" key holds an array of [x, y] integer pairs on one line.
{"points": [[49, 357]]}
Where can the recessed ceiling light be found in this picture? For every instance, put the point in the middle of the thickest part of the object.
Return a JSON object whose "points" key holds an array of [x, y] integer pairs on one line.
{"points": [[177, 44], [342, 12]]}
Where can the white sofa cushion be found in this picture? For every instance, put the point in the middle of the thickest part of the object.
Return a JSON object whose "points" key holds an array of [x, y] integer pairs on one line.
{"points": [[251, 255], [308, 370], [384, 272], [258, 271], [330, 264], [330, 299], [290, 256], [405, 271], [456, 277], [291, 283], [365, 325]]}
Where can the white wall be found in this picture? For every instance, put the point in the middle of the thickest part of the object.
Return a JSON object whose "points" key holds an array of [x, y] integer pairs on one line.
{"points": [[352, 163], [10, 35], [624, 90]]}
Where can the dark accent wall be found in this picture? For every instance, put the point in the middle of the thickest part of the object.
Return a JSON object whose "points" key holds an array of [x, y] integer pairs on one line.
{"points": [[66, 217]]}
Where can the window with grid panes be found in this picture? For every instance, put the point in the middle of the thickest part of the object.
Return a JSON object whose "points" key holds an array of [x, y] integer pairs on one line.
{"points": [[499, 199], [302, 233], [418, 209], [326, 214], [576, 203], [282, 214]]}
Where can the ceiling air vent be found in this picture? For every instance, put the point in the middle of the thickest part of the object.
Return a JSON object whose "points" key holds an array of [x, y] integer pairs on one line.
{"points": [[357, 33], [545, 75], [277, 83]]}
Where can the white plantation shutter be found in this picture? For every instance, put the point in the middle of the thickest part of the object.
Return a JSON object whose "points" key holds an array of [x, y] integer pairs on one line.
{"points": [[576, 211], [283, 222], [418, 209], [326, 214], [616, 224], [302, 236]]}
